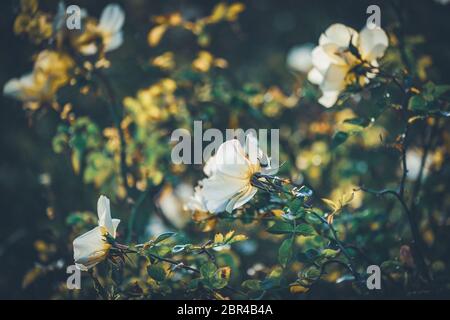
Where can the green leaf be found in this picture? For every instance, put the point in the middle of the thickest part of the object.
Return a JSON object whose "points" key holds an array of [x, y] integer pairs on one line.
{"points": [[253, 285], [361, 122], [220, 278], [180, 247], [207, 270], [329, 253], [281, 227], [164, 236], [439, 90], [312, 219], [296, 205], [339, 138], [312, 273], [159, 250], [157, 272], [417, 103], [285, 251]]}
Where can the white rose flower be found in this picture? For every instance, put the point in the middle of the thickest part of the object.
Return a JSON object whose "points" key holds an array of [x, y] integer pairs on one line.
{"points": [[229, 172], [335, 61], [300, 58], [109, 28], [91, 247]]}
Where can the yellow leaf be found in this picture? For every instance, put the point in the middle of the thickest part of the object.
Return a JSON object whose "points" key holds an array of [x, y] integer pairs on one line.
{"points": [[240, 237], [29, 6], [218, 238], [218, 13], [234, 10], [155, 35], [175, 19], [229, 235], [277, 212], [203, 62], [224, 272], [331, 204], [221, 63], [347, 198], [164, 61], [298, 289], [75, 162]]}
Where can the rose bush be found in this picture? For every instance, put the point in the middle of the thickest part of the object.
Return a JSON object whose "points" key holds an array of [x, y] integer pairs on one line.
{"points": [[362, 180]]}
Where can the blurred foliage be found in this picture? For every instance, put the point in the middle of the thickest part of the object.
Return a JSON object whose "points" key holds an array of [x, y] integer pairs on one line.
{"points": [[100, 123]]}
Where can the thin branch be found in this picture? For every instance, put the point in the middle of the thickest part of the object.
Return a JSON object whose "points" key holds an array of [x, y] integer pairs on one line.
{"points": [[427, 147], [340, 245], [134, 213], [117, 119], [413, 226]]}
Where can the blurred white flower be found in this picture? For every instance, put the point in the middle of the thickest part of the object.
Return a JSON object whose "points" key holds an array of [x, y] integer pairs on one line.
{"points": [[229, 172], [109, 29], [91, 247], [340, 51], [50, 72], [299, 58], [172, 203], [414, 161], [155, 226]]}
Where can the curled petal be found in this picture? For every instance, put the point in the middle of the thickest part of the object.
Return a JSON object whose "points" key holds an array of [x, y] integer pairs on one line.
{"points": [[334, 78], [90, 248], [231, 160], [339, 34], [300, 58], [114, 42], [219, 189], [329, 98], [112, 19], [104, 216], [373, 43]]}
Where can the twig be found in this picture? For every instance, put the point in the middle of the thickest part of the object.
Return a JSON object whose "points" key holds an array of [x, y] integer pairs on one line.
{"points": [[134, 213], [117, 118], [340, 245], [98, 286], [413, 226], [427, 146]]}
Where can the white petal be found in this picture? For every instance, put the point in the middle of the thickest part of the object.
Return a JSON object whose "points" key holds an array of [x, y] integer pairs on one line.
{"points": [[240, 199], [114, 42], [219, 189], [16, 88], [339, 34], [252, 150], [89, 49], [210, 166], [315, 77], [231, 160], [329, 98], [104, 215], [196, 202], [321, 60], [90, 248], [115, 223], [111, 19], [300, 58], [334, 78], [373, 43]]}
